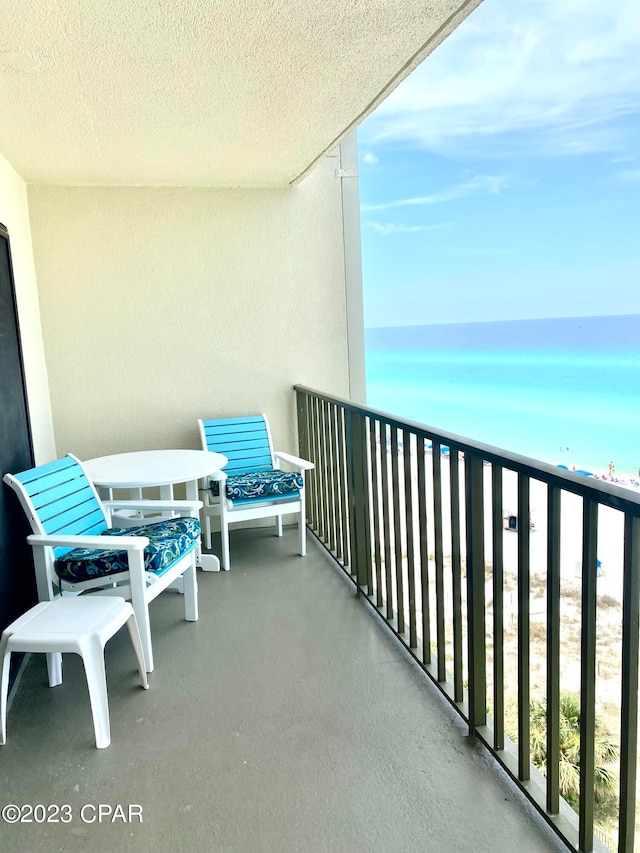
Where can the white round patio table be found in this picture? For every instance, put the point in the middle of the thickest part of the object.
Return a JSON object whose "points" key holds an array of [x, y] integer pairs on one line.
{"points": [[142, 469]]}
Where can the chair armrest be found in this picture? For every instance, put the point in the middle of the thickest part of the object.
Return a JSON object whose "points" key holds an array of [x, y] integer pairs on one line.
{"points": [[218, 476], [165, 506], [127, 543], [295, 461]]}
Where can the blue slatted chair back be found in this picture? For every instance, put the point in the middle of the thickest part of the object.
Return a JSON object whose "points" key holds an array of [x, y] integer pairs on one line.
{"points": [[246, 442], [59, 499]]}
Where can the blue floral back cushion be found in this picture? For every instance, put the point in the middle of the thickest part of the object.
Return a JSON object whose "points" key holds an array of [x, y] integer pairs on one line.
{"points": [[259, 484], [168, 540]]}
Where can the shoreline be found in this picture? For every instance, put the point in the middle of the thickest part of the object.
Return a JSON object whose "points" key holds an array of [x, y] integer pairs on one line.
{"points": [[619, 478]]}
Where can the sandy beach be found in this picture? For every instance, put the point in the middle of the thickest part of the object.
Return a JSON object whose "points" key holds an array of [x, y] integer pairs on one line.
{"points": [[610, 529], [609, 591], [609, 586], [610, 537]]}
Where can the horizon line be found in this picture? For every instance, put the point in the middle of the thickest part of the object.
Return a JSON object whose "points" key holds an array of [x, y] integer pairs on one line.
{"points": [[512, 320]]}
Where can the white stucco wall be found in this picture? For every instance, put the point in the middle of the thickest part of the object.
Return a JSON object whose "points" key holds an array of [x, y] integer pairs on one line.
{"points": [[14, 215], [163, 305]]}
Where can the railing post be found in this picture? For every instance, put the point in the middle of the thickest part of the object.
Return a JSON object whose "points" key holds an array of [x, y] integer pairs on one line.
{"points": [[456, 574], [410, 533], [325, 508], [323, 514], [475, 593], [358, 496], [336, 497], [424, 553], [397, 530], [553, 649], [441, 650], [301, 411], [303, 437], [588, 673], [497, 535], [343, 464], [386, 519], [313, 484], [524, 628], [629, 710], [374, 449]]}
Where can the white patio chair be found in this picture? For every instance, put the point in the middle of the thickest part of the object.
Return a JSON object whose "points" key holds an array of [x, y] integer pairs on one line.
{"points": [[252, 483], [76, 550]]}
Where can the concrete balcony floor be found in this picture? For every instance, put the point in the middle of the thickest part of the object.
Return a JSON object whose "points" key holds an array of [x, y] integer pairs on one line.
{"points": [[286, 719]]}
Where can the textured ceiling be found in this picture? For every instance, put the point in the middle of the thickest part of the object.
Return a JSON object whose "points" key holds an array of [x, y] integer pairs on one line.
{"points": [[199, 93]]}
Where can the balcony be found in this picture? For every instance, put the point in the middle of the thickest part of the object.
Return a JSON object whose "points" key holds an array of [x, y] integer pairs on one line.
{"points": [[359, 699], [285, 719]]}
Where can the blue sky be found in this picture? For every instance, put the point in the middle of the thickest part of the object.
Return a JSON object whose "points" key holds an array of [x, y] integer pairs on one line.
{"points": [[501, 180]]}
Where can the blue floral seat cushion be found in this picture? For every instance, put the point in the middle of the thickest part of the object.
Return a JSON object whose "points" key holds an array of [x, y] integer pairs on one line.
{"points": [[260, 484], [168, 539]]}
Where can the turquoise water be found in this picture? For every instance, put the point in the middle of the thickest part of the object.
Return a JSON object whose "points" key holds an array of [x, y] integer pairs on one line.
{"points": [[563, 391]]}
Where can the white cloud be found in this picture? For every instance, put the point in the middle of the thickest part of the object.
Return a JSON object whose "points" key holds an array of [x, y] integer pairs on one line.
{"points": [[566, 73], [370, 158], [479, 183], [387, 228], [632, 175]]}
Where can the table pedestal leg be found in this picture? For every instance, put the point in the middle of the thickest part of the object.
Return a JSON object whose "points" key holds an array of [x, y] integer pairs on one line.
{"points": [[206, 562]]}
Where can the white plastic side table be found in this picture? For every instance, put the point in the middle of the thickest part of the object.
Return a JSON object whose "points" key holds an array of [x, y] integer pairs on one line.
{"points": [[82, 625]]}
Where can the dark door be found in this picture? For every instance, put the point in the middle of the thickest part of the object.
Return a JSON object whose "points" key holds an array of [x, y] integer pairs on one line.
{"points": [[17, 581]]}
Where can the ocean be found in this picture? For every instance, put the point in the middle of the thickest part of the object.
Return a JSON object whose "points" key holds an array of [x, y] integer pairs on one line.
{"points": [[565, 391]]}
